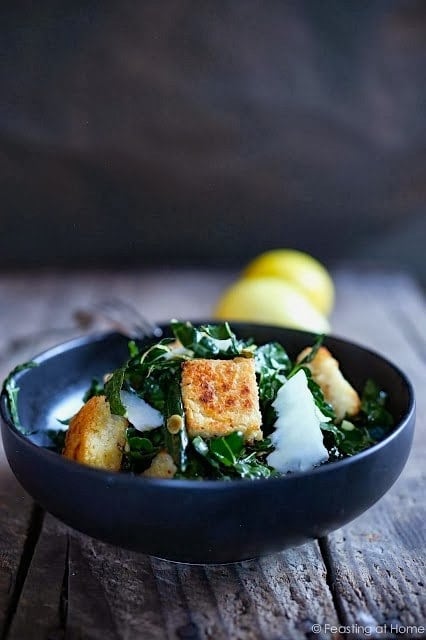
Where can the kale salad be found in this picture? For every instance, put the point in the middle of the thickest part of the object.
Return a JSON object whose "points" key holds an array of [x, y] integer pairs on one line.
{"points": [[207, 404]]}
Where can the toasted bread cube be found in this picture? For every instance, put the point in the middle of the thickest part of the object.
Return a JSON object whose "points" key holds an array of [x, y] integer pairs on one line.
{"points": [[96, 437], [221, 396], [336, 389], [162, 466]]}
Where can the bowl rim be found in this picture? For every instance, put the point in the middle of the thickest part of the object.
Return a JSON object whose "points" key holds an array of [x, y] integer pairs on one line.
{"points": [[121, 478]]}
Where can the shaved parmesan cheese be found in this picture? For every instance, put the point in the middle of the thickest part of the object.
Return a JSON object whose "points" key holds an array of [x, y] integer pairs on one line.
{"points": [[139, 413], [297, 437], [223, 344]]}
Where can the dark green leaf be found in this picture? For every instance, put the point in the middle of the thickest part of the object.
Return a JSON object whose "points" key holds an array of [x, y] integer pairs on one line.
{"points": [[141, 449], [65, 421], [228, 457], [153, 391], [227, 449], [311, 355], [112, 391], [260, 447], [368, 427], [176, 443], [272, 357], [155, 353], [140, 444], [196, 469], [57, 437], [218, 331], [308, 358], [184, 332], [325, 407], [133, 349], [96, 389], [202, 448], [356, 440], [348, 442], [272, 364], [204, 342], [373, 401], [253, 470], [11, 390]]}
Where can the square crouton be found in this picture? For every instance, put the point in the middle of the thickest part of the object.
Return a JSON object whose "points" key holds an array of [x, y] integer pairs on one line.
{"points": [[221, 396]]}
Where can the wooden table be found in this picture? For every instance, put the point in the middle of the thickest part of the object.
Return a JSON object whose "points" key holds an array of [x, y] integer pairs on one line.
{"points": [[56, 583]]}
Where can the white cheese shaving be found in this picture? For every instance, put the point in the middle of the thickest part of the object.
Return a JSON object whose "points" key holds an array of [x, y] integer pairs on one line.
{"points": [[297, 437], [223, 344], [139, 413]]}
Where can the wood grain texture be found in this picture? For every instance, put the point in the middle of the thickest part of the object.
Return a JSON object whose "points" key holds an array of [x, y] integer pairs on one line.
{"points": [[113, 593], [20, 520], [41, 608], [369, 572], [15, 518], [44, 303], [378, 562]]}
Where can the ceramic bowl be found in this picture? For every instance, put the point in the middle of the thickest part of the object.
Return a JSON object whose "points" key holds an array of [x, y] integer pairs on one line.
{"points": [[197, 521]]}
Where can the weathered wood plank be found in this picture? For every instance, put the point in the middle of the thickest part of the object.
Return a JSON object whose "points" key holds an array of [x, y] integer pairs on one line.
{"points": [[15, 518], [290, 592], [365, 299], [180, 619], [299, 582], [19, 519], [40, 615], [377, 562], [116, 594], [112, 593], [89, 613]]}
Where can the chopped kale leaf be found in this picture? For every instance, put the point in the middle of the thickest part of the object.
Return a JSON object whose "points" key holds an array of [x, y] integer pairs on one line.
{"points": [[11, 390]]}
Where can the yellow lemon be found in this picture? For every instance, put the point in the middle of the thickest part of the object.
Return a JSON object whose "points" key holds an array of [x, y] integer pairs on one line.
{"points": [[270, 301], [299, 269]]}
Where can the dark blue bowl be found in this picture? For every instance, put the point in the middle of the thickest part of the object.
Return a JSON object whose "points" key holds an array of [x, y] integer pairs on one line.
{"points": [[192, 521]]}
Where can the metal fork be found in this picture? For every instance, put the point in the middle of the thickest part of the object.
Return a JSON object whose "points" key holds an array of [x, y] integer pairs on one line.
{"points": [[118, 314], [113, 313]]}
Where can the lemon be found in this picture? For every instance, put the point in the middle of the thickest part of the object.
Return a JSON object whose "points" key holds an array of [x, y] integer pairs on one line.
{"points": [[270, 301], [299, 269]]}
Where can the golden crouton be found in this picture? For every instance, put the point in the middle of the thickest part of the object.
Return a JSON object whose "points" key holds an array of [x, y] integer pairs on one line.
{"points": [[336, 389], [220, 396], [96, 437], [162, 466]]}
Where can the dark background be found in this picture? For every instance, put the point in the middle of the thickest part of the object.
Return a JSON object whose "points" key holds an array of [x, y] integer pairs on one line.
{"points": [[201, 133]]}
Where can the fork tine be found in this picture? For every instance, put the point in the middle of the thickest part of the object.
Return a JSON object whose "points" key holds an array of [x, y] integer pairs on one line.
{"points": [[127, 316]]}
